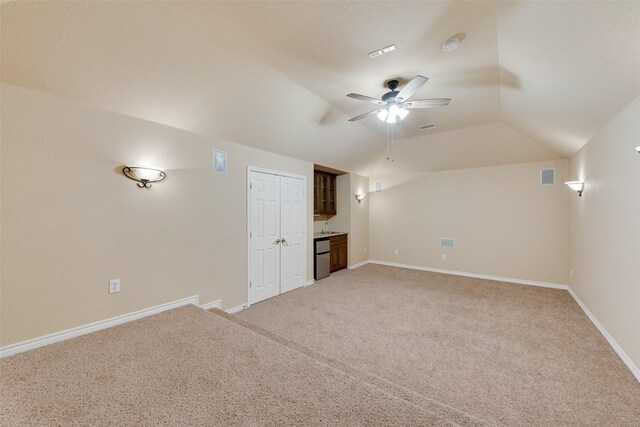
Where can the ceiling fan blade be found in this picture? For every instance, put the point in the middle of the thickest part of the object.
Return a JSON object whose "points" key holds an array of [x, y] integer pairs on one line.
{"points": [[362, 116], [410, 88], [427, 103], [365, 98]]}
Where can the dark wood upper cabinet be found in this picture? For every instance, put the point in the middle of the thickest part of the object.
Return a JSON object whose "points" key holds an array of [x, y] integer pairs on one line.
{"points": [[324, 193]]}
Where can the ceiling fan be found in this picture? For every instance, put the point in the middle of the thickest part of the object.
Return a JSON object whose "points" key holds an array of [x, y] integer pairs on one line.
{"points": [[395, 104]]}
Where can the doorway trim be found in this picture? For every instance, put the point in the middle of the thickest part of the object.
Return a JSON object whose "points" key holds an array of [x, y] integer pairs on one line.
{"points": [[248, 218]]}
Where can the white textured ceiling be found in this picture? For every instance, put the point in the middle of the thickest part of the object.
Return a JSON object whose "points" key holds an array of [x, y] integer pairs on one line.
{"points": [[531, 80]]}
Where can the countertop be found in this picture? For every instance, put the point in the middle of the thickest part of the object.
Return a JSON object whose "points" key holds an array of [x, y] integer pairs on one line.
{"points": [[333, 233]]}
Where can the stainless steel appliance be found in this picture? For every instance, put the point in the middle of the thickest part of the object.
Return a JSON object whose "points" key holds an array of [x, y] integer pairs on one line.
{"points": [[323, 259]]}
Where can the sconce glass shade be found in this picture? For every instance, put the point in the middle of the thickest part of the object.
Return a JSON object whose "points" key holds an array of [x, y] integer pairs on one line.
{"points": [[576, 186], [144, 176], [360, 197]]}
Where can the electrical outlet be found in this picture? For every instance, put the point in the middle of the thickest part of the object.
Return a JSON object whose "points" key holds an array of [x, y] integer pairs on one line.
{"points": [[571, 272], [395, 252], [114, 286], [444, 256], [365, 250]]}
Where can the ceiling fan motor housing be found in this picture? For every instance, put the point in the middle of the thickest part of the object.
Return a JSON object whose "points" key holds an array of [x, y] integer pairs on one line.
{"points": [[389, 96]]}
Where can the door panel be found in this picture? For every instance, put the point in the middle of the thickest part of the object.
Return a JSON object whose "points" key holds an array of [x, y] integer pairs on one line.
{"points": [[293, 232], [264, 228]]}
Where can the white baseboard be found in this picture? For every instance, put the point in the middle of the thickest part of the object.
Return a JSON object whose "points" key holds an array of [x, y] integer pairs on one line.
{"points": [[212, 304], [360, 264], [475, 275], [218, 304], [236, 309], [627, 361], [11, 349]]}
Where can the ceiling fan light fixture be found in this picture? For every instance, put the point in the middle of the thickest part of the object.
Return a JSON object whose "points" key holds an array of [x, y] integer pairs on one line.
{"points": [[394, 112], [393, 103]]}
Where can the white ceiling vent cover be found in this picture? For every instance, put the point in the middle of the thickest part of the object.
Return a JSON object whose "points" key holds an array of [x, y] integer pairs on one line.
{"points": [[547, 176], [447, 242]]}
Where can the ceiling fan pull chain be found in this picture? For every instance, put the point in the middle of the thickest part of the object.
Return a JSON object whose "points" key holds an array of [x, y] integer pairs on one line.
{"points": [[388, 141], [392, 142]]}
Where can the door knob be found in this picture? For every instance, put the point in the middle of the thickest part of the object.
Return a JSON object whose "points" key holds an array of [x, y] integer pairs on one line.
{"points": [[277, 242], [284, 242]]}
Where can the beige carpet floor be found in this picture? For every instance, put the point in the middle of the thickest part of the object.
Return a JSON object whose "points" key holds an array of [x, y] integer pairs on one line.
{"points": [[502, 353], [189, 367]]}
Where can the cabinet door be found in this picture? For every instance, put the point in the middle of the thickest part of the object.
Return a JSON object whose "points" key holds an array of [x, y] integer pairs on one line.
{"points": [[321, 192], [335, 259], [342, 256], [339, 254], [331, 194], [324, 186], [316, 193]]}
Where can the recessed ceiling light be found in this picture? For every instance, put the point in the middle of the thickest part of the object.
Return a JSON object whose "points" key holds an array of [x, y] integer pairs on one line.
{"points": [[451, 44], [429, 126], [382, 51]]}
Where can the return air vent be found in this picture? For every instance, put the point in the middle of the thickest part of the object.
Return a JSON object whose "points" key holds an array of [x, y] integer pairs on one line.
{"points": [[447, 242], [220, 161], [547, 176]]}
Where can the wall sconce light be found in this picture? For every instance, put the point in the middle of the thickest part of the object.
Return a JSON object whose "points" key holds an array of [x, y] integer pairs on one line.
{"points": [[144, 176], [360, 197], [577, 186], [638, 149]]}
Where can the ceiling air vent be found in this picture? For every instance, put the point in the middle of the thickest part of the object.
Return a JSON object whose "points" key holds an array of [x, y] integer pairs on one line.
{"points": [[380, 52], [429, 126]]}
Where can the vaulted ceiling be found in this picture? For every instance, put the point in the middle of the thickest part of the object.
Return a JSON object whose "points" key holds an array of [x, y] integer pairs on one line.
{"points": [[530, 81]]}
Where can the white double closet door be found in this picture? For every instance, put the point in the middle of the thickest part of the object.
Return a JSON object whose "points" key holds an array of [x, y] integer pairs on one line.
{"points": [[277, 243]]}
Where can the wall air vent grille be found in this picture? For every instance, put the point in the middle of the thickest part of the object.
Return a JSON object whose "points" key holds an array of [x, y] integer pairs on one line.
{"points": [[220, 161], [547, 176], [447, 242]]}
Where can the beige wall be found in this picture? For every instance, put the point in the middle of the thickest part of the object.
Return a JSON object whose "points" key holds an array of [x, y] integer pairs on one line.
{"points": [[605, 228], [70, 221], [505, 223], [359, 228]]}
